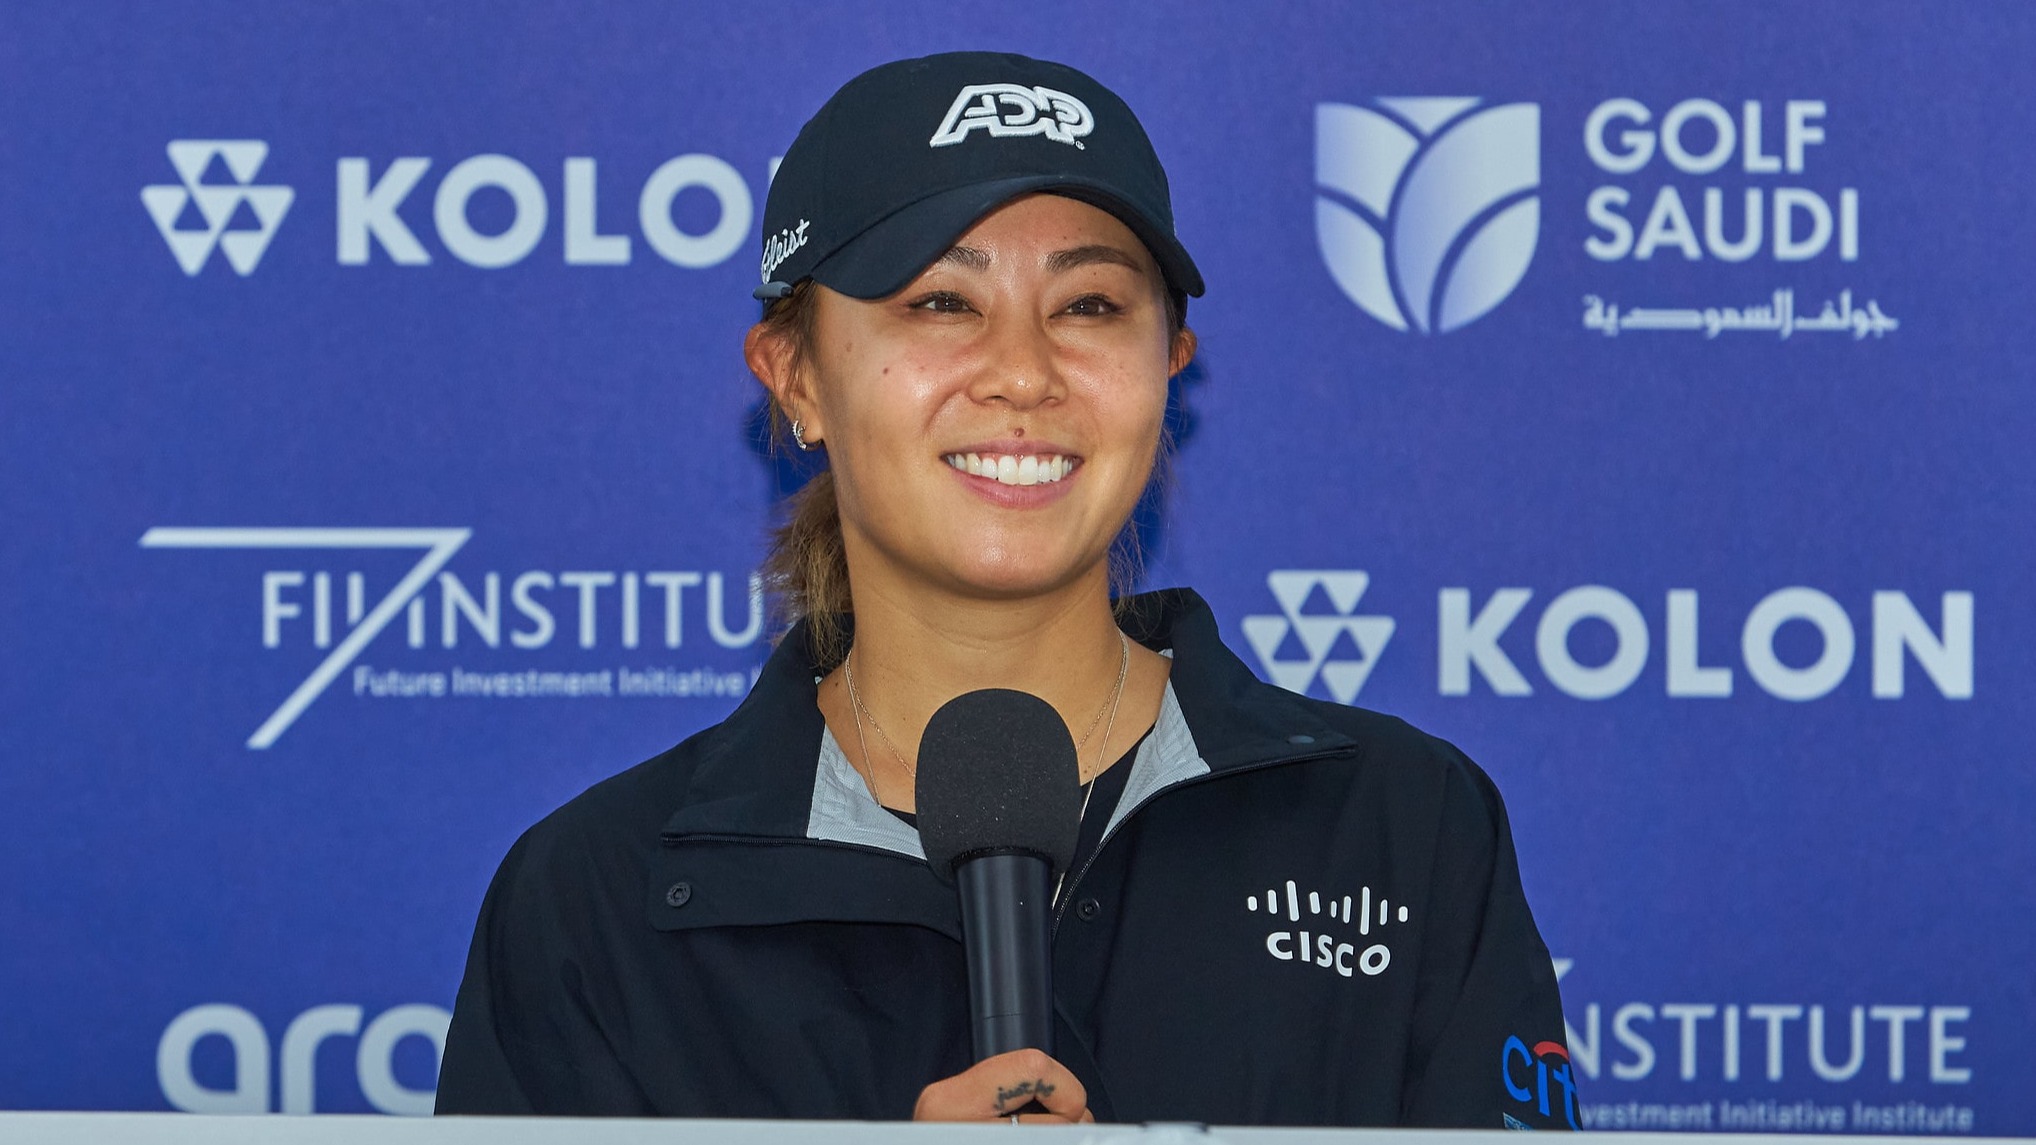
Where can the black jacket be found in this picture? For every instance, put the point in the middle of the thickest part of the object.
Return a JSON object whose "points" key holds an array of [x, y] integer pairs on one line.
{"points": [[1303, 913]]}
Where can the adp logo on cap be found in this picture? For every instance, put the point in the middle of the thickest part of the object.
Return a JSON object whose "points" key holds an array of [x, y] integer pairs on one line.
{"points": [[217, 203], [1426, 209], [1006, 109]]}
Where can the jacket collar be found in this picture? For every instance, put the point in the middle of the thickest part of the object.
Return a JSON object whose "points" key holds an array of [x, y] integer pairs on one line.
{"points": [[772, 770]]}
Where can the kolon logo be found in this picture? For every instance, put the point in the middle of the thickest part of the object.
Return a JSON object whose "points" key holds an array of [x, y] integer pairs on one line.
{"points": [[217, 203], [1318, 634], [1426, 208]]}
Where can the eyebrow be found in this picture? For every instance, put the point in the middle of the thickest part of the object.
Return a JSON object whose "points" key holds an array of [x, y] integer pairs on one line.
{"points": [[967, 256], [1066, 260], [1059, 262]]}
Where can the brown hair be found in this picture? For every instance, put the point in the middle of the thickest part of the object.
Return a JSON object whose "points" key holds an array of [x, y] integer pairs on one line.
{"points": [[806, 569]]}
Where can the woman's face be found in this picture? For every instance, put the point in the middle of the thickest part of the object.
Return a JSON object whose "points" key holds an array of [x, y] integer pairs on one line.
{"points": [[991, 426]]}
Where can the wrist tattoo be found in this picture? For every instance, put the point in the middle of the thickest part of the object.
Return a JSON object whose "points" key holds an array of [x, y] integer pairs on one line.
{"points": [[1024, 1089]]}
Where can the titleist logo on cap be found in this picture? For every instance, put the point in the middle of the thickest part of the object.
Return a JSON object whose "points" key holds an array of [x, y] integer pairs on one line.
{"points": [[782, 246], [1007, 109]]}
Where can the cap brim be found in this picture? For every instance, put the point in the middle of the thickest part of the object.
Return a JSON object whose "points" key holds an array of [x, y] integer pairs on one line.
{"points": [[880, 261]]}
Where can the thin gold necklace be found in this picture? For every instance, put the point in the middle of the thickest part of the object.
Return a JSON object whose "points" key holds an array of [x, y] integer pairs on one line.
{"points": [[862, 713]]}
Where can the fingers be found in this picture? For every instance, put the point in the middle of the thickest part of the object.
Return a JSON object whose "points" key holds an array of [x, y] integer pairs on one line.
{"points": [[998, 1087], [1022, 1077]]}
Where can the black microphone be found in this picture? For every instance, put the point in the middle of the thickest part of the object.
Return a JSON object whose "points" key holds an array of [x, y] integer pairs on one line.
{"points": [[999, 807]]}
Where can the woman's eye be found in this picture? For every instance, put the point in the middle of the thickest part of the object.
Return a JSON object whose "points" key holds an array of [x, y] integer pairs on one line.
{"points": [[942, 302], [1092, 305]]}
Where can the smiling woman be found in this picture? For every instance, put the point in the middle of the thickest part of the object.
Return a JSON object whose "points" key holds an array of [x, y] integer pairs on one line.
{"points": [[975, 302], [990, 428], [807, 563], [1031, 359]]}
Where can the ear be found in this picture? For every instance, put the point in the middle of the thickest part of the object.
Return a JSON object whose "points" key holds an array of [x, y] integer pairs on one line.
{"points": [[1182, 352], [770, 356]]}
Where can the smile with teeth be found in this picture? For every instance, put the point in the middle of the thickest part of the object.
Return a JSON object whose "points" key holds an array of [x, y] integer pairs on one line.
{"points": [[1006, 469]]}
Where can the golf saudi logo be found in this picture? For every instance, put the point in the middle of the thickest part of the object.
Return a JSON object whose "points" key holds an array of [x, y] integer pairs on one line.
{"points": [[1426, 208]]}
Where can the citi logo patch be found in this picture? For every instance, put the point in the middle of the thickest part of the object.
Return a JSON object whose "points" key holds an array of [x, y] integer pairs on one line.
{"points": [[1325, 949], [1007, 109], [1426, 208], [216, 204], [1527, 1073], [1317, 634]]}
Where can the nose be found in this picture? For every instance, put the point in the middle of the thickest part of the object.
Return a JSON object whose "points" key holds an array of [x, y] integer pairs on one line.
{"points": [[1020, 368]]}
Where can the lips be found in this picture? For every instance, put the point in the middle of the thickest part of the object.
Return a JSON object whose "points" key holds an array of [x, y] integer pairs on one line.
{"points": [[1014, 469]]}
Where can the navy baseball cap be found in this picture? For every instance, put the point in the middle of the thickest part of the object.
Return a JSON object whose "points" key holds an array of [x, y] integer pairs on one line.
{"points": [[906, 157]]}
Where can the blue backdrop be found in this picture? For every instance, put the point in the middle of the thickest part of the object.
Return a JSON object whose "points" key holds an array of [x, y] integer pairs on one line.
{"points": [[1636, 395]]}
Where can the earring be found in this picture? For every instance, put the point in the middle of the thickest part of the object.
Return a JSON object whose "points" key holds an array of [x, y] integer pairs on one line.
{"points": [[799, 436]]}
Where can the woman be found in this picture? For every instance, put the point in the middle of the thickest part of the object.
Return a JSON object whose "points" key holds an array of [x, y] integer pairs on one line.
{"points": [[1280, 910]]}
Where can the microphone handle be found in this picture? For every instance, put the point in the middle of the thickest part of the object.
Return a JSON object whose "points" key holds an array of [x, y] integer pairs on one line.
{"points": [[1005, 929]]}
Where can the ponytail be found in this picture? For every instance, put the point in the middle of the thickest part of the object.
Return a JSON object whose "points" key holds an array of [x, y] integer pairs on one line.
{"points": [[806, 569]]}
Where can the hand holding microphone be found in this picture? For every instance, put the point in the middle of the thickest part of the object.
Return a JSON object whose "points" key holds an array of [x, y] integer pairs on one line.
{"points": [[999, 806], [997, 1088]]}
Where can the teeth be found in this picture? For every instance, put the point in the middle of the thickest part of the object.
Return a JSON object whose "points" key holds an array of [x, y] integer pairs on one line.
{"points": [[1006, 469]]}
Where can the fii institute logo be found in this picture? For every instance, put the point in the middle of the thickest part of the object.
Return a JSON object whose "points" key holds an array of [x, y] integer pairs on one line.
{"points": [[217, 203], [1318, 634], [1426, 208], [489, 613]]}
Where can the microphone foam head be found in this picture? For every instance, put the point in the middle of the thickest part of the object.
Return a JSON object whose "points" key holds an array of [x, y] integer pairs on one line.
{"points": [[997, 773]]}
